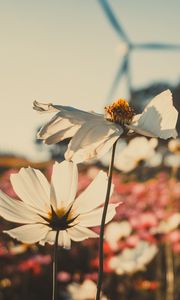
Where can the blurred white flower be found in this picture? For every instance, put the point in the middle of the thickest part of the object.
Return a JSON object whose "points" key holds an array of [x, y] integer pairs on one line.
{"points": [[155, 160], [168, 225], [139, 149], [115, 231], [94, 134], [133, 260], [47, 208], [84, 291], [173, 159], [17, 249], [105, 160], [174, 146]]}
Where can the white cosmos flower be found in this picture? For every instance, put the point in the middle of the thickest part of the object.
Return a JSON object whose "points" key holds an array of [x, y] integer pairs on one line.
{"points": [[47, 208], [133, 260], [94, 134], [139, 149]]}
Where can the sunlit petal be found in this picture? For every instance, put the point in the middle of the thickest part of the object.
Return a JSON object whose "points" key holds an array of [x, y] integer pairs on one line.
{"points": [[79, 233], [32, 187], [64, 124], [64, 240], [64, 180], [30, 233], [16, 211], [94, 218], [92, 140], [158, 119], [93, 196]]}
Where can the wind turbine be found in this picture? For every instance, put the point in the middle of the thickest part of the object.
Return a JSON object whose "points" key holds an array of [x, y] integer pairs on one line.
{"points": [[124, 65]]}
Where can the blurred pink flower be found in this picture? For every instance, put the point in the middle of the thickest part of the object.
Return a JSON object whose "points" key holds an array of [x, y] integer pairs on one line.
{"points": [[63, 276]]}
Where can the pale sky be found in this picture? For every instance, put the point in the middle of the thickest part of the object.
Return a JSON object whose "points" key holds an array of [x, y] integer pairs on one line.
{"points": [[66, 52]]}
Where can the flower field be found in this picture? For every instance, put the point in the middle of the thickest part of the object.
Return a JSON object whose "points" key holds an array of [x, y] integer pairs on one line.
{"points": [[141, 248]]}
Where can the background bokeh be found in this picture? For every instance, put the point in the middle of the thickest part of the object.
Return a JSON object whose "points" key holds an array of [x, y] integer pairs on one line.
{"points": [[68, 52]]}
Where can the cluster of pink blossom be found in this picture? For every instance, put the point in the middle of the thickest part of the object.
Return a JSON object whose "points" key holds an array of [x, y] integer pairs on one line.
{"points": [[151, 208]]}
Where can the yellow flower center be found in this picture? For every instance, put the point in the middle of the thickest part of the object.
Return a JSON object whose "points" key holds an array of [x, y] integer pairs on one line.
{"points": [[119, 112], [60, 212], [61, 219]]}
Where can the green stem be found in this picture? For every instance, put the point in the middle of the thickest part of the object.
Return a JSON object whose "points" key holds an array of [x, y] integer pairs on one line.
{"points": [[159, 275], [103, 220], [54, 289], [169, 272]]}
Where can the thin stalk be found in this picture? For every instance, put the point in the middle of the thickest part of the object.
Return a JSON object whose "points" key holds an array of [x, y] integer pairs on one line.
{"points": [[54, 289], [159, 275], [169, 272], [103, 220]]}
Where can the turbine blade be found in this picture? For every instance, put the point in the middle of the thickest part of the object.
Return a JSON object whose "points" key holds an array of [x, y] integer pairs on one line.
{"points": [[120, 72], [157, 46], [113, 20]]}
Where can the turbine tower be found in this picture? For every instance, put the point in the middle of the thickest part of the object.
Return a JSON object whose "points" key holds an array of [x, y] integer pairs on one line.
{"points": [[124, 65]]}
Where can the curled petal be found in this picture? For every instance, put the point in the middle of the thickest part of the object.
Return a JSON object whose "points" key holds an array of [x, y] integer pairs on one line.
{"points": [[43, 107], [92, 140], [64, 124], [56, 130]]}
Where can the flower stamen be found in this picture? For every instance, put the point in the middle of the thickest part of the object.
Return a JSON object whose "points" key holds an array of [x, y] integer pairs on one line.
{"points": [[119, 112], [61, 219]]}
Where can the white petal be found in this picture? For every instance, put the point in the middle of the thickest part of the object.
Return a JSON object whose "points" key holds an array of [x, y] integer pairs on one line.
{"points": [[43, 107], [93, 196], [49, 238], [64, 240], [64, 180], [30, 233], [78, 233], [56, 130], [32, 187], [159, 118], [92, 140], [17, 211], [74, 115], [94, 218], [148, 124], [64, 124]]}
